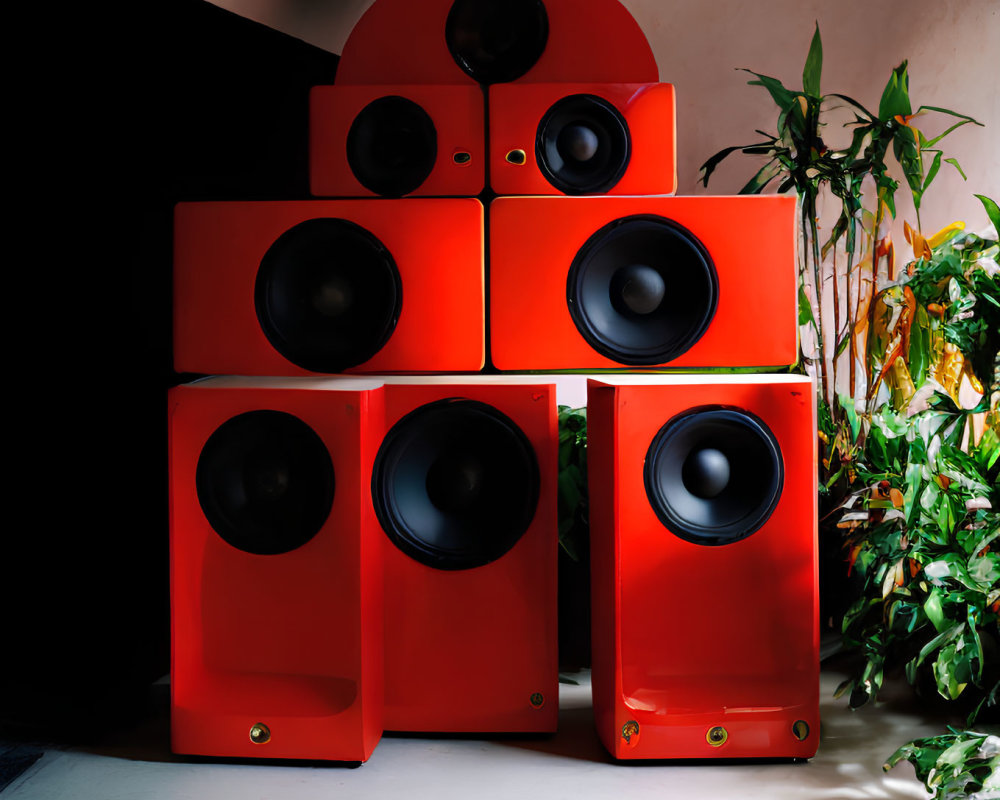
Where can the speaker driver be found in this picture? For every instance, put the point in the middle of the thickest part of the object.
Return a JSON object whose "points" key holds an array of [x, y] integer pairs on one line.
{"points": [[642, 290], [714, 475], [455, 484], [583, 145], [328, 295], [265, 482], [495, 41], [392, 146]]}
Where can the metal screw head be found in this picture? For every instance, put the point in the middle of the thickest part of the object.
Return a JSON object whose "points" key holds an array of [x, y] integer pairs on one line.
{"points": [[537, 700], [260, 733], [517, 157], [800, 730], [716, 736]]}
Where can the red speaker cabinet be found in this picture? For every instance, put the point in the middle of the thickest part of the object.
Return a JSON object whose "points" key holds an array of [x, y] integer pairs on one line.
{"points": [[582, 138], [496, 41], [464, 485], [275, 577], [581, 283], [704, 566], [391, 141], [326, 286]]}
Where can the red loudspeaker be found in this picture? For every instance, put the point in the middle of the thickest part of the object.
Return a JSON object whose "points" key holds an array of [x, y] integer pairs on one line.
{"points": [[605, 282], [582, 138], [496, 41], [275, 558], [294, 288], [464, 485], [396, 140], [704, 567]]}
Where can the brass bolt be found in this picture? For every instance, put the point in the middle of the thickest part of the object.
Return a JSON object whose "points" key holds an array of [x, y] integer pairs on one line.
{"points": [[260, 733], [717, 736]]}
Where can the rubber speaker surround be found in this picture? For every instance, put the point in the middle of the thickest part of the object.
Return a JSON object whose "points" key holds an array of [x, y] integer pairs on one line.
{"points": [[496, 41], [265, 482], [328, 295], [746, 498], [597, 173], [659, 331], [455, 484], [392, 146]]}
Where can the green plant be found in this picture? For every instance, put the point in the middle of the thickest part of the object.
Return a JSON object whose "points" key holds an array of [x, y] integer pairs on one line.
{"points": [[908, 478], [847, 263], [958, 764], [573, 526]]}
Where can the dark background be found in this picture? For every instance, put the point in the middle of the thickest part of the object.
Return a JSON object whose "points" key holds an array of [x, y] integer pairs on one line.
{"points": [[130, 109]]}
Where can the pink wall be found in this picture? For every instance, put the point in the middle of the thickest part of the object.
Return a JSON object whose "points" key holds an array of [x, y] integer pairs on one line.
{"points": [[953, 47]]}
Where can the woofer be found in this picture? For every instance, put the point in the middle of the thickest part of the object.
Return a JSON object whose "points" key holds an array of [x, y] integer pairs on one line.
{"points": [[642, 290], [328, 295], [265, 482], [392, 146], [713, 475], [455, 484], [583, 145], [495, 41]]}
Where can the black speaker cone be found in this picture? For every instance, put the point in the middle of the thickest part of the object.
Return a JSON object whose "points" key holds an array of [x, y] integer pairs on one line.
{"points": [[455, 484], [495, 41], [392, 146], [265, 482], [642, 290], [714, 475], [583, 145], [328, 295]]}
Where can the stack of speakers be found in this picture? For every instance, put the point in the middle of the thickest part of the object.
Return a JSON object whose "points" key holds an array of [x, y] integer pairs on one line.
{"points": [[363, 529]]}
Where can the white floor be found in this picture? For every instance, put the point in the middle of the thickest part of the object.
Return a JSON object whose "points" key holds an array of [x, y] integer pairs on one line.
{"points": [[571, 764]]}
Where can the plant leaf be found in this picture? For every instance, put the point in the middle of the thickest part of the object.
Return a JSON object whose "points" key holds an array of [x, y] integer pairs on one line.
{"points": [[992, 210], [814, 66]]}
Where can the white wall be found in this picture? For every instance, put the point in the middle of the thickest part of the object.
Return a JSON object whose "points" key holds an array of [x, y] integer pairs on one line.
{"points": [[953, 47]]}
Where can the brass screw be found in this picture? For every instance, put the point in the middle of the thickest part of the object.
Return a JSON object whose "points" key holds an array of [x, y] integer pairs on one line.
{"points": [[260, 733], [517, 157], [800, 730], [717, 736]]}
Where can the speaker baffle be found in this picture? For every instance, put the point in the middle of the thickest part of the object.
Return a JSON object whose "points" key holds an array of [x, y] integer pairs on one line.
{"points": [[455, 484], [583, 145], [328, 295], [496, 41], [392, 146], [714, 475], [642, 290], [265, 482]]}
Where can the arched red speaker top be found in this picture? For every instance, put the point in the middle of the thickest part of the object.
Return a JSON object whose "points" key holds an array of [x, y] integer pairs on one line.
{"points": [[402, 41]]}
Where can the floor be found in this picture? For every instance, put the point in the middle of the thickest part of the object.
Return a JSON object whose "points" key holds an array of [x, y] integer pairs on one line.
{"points": [[571, 764]]}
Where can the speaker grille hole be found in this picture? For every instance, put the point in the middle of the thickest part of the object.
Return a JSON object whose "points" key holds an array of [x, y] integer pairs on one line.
{"points": [[328, 295], [713, 475], [265, 482], [495, 41], [642, 290], [455, 484], [392, 146], [583, 145]]}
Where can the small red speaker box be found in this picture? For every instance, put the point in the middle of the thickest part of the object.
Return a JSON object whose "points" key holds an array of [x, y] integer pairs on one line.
{"points": [[704, 566], [275, 554], [582, 138], [392, 141], [496, 41], [464, 485], [324, 286], [613, 282]]}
